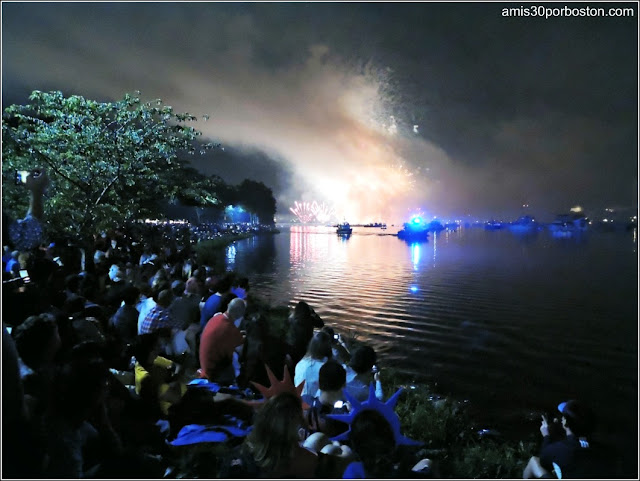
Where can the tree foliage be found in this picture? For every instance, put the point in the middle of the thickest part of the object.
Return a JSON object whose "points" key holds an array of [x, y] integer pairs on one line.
{"points": [[109, 162], [257, 198]]}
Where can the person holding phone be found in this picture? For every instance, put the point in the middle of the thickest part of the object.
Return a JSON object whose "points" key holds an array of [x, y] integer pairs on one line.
{"points": [[329, 399], [361, 371]]}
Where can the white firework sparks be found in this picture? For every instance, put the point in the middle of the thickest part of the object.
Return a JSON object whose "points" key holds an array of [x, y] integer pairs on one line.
{"points": [[322, 212], [302, 211]]}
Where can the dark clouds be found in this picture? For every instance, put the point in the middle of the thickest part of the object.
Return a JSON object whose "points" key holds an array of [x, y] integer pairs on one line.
{"points": [[509, 110]]}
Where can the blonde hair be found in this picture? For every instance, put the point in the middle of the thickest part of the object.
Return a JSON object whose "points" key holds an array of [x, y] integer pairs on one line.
{"points": [[275, 431]]}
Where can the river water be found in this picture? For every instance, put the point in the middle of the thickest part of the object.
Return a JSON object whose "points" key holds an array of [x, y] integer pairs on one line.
{"points": [[510, 322]]}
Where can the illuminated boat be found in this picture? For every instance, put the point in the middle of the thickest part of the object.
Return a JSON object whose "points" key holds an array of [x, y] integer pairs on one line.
{"points": [[493, 225], [414, 230], [526, 223], [344, 229], [566, 225]]}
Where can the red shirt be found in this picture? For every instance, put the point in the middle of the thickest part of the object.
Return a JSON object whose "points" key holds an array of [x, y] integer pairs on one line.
{"points": [[219, 338]]}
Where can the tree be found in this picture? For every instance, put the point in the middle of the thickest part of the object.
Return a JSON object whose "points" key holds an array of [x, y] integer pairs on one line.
{"points": [[109, 162], [258, 199]]}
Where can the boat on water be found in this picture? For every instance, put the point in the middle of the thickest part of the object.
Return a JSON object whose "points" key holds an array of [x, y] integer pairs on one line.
{"points": [[524, 224], [415, 230], [493, 225], [567, 225], [344, 229]]}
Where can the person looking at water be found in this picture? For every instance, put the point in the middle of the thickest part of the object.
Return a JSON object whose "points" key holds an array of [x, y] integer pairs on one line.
{"points": [[308, 369], [218, 342], [329, 400], [301, 324], [567, 457], [213, 302], [360, 373]]}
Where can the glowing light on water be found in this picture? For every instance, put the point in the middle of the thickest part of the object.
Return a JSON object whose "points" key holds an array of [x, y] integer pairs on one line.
{"points": [[413, 288], [302, 211], [415, 255]]}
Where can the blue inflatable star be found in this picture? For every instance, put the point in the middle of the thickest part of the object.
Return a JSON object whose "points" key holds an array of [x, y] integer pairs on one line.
{"points": [[386, 409]]}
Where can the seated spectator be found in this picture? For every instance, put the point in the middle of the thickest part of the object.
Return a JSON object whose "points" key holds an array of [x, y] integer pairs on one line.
{"points": [[37, 340], [360, 374], [146, 302], [154, 376], [301, 324], [372, 440], [79, 418], [339, 350], [308, 369], [273, 448], [240, 287], [567, 457], [212, 304], [329, 400], [13, 265], [159, 316], [184, 307], [125, 320], [218, 342]]}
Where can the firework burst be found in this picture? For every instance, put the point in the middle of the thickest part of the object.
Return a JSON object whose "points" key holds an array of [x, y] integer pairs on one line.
{"points": [[303, 211], [322, 212]]}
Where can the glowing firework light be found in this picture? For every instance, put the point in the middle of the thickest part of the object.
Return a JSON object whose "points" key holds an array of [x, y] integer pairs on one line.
{"points": [[322, 212], [302, 211]]}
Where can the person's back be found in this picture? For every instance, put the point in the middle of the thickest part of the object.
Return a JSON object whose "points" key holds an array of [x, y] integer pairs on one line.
{"points": [[308, 369], [360, 375], [330, 400], [218, 341], [185, 306]]}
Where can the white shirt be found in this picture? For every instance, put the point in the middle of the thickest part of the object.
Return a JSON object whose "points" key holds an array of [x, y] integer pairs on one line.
{"points": [[144, 306], [308, 370]]}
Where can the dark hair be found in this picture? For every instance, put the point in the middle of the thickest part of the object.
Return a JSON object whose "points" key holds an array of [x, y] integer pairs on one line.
{"points": [[332, 376], [225, 300], [373, 441], [224, 284], [76, 386], [329, 330], [319, 346], [32, 338], [362, 359], [143, 346], [302, 310], [579, 418], [130, 295]]}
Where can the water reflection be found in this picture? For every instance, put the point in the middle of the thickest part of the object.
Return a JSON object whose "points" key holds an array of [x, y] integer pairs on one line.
{"points": [[415, 255]]}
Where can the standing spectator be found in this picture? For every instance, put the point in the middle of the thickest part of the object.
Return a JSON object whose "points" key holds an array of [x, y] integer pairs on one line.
{"points": [[219, 340]]}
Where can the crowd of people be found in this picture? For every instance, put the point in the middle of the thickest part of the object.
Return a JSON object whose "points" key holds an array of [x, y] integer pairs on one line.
{"points": [[112, 371]]}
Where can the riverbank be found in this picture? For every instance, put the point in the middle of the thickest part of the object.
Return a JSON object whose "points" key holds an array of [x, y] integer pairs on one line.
{"points": [[208, 250], [453, 438]]}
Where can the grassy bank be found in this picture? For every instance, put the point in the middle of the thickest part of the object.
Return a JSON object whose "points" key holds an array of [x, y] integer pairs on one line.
{"points": [[450, 435]]}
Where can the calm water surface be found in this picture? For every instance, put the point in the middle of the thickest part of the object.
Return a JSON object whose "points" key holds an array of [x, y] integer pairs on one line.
{"points": [[509, 322]]}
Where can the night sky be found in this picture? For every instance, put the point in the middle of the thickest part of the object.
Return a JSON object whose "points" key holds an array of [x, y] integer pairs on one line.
{"points": [[380, 109]]}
